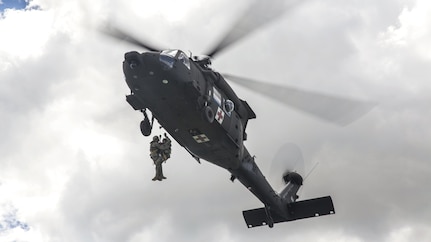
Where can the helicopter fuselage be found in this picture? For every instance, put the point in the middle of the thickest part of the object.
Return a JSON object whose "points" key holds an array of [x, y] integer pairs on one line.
{"points": [[197, 107], [187, 102]]}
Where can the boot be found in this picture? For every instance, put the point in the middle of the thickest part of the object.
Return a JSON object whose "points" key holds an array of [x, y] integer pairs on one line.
{"points": [[157, 176], [161, 173]]}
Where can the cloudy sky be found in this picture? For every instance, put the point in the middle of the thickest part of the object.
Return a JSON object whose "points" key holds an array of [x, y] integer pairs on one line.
{"points": [[74, 166]]}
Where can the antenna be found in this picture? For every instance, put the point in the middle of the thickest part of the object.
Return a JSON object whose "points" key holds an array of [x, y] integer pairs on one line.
{"points": [[312, 169]]}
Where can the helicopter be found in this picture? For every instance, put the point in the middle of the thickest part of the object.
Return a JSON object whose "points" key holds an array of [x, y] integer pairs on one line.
{"points": [[200, 110]]}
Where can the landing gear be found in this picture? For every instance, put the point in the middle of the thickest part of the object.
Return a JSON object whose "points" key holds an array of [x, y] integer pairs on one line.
{"points": [[145, 125], [270, 220]]}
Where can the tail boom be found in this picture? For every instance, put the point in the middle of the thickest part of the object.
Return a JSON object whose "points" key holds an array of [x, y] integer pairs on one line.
{"points": [[278, 207]]}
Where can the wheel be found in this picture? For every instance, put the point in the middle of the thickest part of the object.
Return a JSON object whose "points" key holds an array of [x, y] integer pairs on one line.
{"points": [[145, 127], [271, 224]]}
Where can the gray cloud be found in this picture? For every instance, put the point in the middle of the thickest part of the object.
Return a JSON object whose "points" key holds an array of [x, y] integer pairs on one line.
{"points": [[70, 140]]}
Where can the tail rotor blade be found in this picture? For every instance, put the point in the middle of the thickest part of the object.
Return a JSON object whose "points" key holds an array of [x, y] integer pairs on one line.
{"points": [[287, 159]]}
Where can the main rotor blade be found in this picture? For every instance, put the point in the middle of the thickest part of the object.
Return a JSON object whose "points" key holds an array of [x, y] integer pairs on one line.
{"points": [[337, 110], [119, 34], [258, 14]]}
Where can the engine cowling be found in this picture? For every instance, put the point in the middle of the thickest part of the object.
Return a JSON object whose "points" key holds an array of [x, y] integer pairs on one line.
{"points": [[293, 177]]}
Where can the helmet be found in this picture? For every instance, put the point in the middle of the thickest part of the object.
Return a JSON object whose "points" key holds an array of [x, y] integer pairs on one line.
{"points": [[156, 138]]}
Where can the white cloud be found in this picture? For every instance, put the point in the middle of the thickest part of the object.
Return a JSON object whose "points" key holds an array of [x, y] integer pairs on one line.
{"points": [[413, 30], [25, 34]]}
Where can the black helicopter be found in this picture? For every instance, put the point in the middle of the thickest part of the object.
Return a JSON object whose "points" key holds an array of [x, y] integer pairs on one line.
{"points": [[200, 110]]}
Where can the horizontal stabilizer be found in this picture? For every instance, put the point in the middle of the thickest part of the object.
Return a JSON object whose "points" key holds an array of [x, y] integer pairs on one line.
{"points": [[298, 210]]}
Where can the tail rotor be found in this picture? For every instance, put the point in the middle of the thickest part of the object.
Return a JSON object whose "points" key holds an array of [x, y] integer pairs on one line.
{"points": [[287, 166]]}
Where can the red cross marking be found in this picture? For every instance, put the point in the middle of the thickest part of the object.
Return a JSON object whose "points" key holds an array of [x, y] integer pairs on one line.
{"points": [[219, 114]]}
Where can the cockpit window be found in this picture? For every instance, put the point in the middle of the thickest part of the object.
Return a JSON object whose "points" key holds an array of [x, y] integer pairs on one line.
{"points": [[167, 57], [184, 59], [171, 53]]}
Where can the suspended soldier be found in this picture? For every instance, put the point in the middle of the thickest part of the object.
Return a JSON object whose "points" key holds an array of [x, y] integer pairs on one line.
{"points": [[165, 148], [156, 156]]}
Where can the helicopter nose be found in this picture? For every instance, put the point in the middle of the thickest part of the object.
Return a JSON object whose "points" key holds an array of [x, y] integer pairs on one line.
{"points": [[132, 59]]}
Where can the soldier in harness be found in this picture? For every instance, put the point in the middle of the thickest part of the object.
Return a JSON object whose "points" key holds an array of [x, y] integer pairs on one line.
{"points": [[165, 148], [159, 153]]}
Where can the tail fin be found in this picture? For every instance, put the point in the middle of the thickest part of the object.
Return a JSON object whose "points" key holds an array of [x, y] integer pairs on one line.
{"points": [[297, 210]]}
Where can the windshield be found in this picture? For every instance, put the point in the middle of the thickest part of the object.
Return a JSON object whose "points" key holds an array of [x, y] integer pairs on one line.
{"points": [[184, 59], [167, 57], [171, 53]]}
